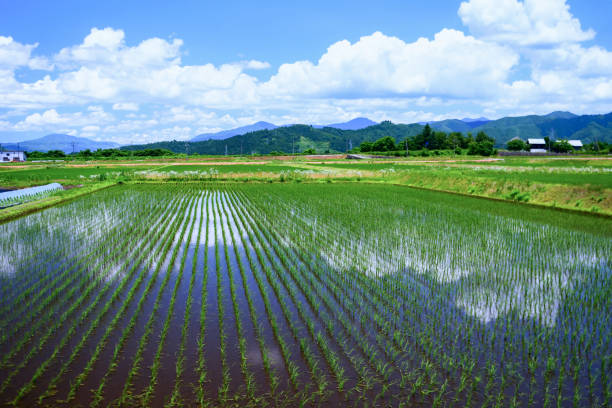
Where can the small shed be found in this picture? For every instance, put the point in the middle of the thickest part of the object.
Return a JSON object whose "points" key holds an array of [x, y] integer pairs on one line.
{"points": [[576, 144], [537, 145], [12, 156]]}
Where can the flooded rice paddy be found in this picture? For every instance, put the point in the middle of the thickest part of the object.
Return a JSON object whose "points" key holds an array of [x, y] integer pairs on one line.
{"points": [[303, 295]]}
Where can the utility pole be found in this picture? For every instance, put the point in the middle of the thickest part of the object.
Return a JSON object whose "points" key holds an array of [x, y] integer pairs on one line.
{"points": [[187, 149], [72, 147], [226, 150]]}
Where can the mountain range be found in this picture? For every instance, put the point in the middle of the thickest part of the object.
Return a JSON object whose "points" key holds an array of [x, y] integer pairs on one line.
{"points": [[297, 138], [353, 124], [224, 134], [57, 141], [265, 137]]}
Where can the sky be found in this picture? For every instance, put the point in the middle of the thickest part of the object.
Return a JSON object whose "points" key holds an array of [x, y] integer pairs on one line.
{"points": [[138, 72]]}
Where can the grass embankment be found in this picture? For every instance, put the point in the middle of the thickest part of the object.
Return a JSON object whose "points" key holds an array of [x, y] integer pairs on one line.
{"points": [[583, 197], [573, 185], [62, 196], [579, 184]]}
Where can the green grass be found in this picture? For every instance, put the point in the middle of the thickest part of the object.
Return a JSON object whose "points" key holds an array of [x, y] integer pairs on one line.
{"points": [[63, 174], [228, 168]]}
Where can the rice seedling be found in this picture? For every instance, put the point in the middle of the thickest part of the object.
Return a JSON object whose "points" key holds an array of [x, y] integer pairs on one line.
{"points": [[321, 294]]}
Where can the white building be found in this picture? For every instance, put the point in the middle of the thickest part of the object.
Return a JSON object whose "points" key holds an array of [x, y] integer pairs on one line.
{"points": [[12, 156], [576, 144], [537, 145]]}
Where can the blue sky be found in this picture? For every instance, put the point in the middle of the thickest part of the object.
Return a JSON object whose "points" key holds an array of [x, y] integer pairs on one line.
{"points": [[158, 70]]}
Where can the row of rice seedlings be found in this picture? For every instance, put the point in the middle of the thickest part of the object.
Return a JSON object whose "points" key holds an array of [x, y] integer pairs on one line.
{"points": [[48, 307], [256, 266], [314, 301], [328, 354], [317, 375], [35, 269], [146, 245], [153, 380], [247, 374], [377, 336], [59, 322], [72, 330], [365, 377], [480, 332], [59, 296], [165, 237], [127, 397], [380, 366], [387, 348], [202, 401], [48, 231], [28, 281], [176, 399], [542, 342], [247, 293], [111, 327]]}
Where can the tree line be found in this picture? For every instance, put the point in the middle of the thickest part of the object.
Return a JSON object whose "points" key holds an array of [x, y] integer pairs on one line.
{"points": [[99, 154], [429, 139], [559, 146]]}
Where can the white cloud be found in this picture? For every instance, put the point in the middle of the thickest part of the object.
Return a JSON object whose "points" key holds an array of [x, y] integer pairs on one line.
{"points": [[452, 64], [125, 106], [520, 57], [52, 120], [254, 64], [14, 54], [529, 22]]}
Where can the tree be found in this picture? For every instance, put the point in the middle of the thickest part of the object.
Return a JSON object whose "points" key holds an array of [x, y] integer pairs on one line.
{"points": [[427, 136], [482, 137], [482, 148], [56, 154], [365, 146], [384, 144], [516, 145], [562, 146]]}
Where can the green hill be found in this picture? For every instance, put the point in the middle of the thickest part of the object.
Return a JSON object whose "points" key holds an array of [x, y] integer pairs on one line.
{"points": [[557, 125], [298, 138]]}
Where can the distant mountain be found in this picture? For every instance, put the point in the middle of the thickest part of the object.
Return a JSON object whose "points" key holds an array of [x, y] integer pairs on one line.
{"points": [[62, 142], [480, 119], [297, 138], [457, 125], [556, 125], [353, 124], [224, 134], [560, 115]]}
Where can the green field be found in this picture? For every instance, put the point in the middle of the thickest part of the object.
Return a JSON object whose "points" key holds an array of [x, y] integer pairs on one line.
{"points": [[213, 294]]}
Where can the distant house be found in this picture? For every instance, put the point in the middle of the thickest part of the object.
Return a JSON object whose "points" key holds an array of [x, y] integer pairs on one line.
{"points": [[537, 145], [12, 156], [576, 144]]}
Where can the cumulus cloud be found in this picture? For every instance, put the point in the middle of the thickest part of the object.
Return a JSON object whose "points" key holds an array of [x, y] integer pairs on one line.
{"points": [[14, 54], [529, 22], [518, 57], [125, 106], [452, 64], [52, 120]]}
